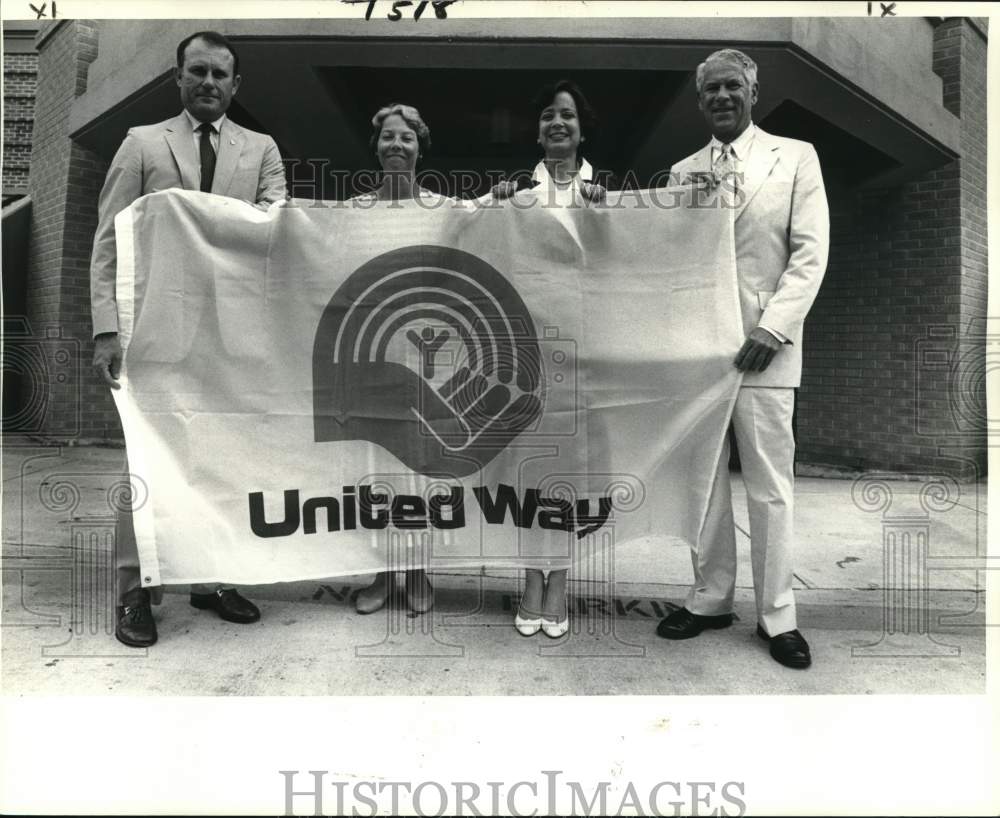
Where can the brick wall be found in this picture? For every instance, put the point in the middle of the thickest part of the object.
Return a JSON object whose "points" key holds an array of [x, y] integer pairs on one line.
{"points": [[969, 383], [64, 185], [888, 381], [20, 77]]}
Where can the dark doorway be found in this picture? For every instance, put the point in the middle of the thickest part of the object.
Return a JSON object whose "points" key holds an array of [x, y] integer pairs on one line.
{"points": [[483, 120]]}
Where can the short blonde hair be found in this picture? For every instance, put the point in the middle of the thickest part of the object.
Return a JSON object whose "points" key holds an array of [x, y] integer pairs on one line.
{"points": [[411, 116]]}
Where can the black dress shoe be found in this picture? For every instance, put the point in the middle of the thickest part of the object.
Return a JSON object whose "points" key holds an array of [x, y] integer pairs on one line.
{"points": [[682, 624], [134, 624], [789, 648], [228, 604]]}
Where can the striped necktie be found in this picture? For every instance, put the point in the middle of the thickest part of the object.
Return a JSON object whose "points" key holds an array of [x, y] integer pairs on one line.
{"points": [[726, 175], [725, 165]]}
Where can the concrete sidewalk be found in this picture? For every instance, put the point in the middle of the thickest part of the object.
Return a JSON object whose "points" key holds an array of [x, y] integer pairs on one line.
{"points": [[58, 609]]}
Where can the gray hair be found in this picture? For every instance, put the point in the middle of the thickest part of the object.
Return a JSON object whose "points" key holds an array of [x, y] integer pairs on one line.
{"points": [[411, 116], [731, 56]]}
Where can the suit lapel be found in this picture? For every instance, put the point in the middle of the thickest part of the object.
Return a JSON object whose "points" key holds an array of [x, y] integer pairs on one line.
{"points": [[763, 157], [181, 145], [231, 140]]}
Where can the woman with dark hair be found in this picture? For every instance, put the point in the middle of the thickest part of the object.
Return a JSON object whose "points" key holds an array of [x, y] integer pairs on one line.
{"points": [[562, 178], [399, 139], [565, 118]]}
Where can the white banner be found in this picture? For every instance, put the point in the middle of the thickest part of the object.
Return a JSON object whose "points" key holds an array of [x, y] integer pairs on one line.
{"points": [[328, 389]]}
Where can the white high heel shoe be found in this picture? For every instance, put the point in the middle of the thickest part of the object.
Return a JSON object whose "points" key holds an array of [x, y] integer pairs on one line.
{"points": [[525, 626], [556, 629]]}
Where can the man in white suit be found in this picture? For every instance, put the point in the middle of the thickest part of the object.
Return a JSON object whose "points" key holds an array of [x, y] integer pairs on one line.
{"points": [[775, 189], [200, 149]]}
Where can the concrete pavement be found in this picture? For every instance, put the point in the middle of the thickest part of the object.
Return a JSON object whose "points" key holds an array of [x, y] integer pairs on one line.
{"points": [[888, 592]]}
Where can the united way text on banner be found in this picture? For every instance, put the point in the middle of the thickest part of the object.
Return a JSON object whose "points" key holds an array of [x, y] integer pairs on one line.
{"points": [[314, 390]]}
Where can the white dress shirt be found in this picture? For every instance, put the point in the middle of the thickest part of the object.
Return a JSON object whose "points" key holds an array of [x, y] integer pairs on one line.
{"points": [[740, 148], [562, 193], [196, 136]]}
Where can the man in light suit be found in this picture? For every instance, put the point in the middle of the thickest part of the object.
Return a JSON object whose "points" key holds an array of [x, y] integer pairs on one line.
{"points": [[774, 188], [200, 149]]}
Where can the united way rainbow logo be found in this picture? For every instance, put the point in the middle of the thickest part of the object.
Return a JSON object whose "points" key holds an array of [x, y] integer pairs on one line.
{"points": [[431, 353]]}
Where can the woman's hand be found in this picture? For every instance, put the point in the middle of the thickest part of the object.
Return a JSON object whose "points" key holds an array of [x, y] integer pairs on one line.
{"points": [[504, 190], [594, 192]]}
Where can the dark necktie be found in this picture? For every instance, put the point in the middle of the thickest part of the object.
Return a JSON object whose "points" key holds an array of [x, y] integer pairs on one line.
{"points": [[207, 157]]}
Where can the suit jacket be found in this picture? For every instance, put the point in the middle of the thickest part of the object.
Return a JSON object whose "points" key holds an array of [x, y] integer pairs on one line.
{"points": [[164, 155], [782, 243]]}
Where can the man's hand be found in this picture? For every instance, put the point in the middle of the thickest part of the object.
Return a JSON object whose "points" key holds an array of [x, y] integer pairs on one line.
{"points": [[595, 192], [108, 358], [757, 351]]}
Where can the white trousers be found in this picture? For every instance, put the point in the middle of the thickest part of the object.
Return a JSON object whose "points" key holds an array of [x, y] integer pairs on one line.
{"points": [[762, 422]]}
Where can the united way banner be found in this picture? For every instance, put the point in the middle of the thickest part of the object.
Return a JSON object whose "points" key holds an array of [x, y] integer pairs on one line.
{"points": [[327, 389]]}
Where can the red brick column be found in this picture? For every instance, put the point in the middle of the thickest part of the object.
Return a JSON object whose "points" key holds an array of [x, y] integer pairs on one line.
{"points": [[889, 381], [968, 388], [64, 185], [20, 76]]}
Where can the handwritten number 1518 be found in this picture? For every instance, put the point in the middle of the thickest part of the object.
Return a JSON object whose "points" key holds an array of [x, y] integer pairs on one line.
{"points": [[440, 8]]}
